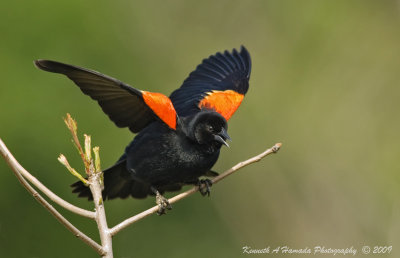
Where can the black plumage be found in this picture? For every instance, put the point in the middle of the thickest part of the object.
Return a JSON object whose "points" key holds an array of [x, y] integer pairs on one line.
{"points": [[179, 138]]}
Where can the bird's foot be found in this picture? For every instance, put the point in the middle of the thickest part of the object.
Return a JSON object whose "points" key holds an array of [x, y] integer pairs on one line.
{"points": [[163, 203], [204, 186]]}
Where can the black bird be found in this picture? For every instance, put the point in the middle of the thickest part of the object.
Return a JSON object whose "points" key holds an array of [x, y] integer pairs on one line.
{"points": [[179, 138]]}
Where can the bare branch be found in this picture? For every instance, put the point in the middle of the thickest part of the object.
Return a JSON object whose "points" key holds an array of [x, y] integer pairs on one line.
{"points": [[105, 236], [79, 234], [18, 169], [178, 197], [95, 183]]}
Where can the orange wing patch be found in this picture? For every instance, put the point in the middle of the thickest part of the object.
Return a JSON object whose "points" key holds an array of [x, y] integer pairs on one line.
{"points": [[161, 106], [224, 102]]}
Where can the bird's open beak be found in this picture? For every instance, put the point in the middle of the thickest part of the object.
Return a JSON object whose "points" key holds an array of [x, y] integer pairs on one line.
{"points": [[222, 137]]}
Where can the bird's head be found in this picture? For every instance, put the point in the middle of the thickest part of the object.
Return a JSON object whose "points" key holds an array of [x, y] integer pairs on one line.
{"points": [[208, 127]]}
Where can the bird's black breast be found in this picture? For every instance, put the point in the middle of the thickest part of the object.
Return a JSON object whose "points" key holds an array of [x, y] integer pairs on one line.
{"points": [[160, 156]]}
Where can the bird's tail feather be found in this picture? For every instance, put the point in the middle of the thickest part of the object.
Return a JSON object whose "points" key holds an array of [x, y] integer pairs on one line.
{"points": [[117, 184]]}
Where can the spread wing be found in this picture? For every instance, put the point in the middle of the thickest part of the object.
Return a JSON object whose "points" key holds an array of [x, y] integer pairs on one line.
{"points": [[125, 105], [218, 83]]}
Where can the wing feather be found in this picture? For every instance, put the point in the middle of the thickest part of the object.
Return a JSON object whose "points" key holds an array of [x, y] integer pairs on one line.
{"points": [[124, 104], [226, 75]]}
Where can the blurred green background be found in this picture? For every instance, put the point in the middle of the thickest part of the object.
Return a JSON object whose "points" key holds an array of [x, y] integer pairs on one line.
{"points": [[325, 82]]}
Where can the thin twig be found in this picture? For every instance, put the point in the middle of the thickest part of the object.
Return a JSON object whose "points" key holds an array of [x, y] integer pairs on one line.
{"points": [[79, 234], [10, 159], [73, 128], [17, 168], [63, 160], [178, 197]]}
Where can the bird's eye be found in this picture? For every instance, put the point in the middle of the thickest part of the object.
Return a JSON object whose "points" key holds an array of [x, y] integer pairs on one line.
{"points": [[210, 128]]}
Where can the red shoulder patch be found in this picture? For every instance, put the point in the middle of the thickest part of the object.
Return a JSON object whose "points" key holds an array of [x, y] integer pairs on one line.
{"points": [[224, 102], [161, 106]]}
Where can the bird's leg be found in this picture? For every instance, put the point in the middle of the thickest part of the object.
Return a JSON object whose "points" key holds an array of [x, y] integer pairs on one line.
{"points": [[204, 186], [161, 201]]}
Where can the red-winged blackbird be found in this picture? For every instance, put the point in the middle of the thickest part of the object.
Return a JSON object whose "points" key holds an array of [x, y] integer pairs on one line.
{"points": [[179, 137]]}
